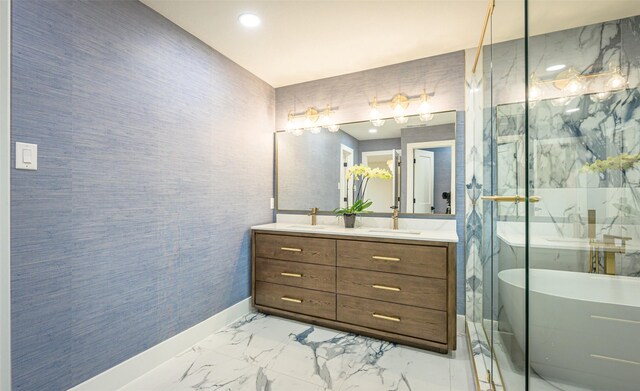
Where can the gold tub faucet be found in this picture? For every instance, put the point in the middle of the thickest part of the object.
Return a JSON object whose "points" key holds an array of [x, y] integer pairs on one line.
{"points": [[607, 245]]}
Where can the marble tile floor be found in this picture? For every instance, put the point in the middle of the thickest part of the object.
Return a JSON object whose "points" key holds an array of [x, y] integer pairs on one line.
{"points": [[266, 353]]}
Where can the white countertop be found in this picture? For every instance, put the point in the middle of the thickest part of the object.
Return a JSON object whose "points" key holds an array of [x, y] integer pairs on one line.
{"points": [[443, 235]]}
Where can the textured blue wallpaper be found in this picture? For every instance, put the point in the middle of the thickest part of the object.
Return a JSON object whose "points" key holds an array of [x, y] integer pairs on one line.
{"points": [[155, 157]]}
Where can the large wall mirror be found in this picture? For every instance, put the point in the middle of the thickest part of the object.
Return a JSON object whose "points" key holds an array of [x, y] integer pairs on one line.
{"points": [[420, 156]]}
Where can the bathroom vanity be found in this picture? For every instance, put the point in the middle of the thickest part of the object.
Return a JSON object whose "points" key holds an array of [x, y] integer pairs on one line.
{"points": [[398, 286]]}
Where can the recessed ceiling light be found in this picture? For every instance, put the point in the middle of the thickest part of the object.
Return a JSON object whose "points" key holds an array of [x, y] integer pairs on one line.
{"points": [[373, 130], [572, 110], [555, 67], [249, 20]]}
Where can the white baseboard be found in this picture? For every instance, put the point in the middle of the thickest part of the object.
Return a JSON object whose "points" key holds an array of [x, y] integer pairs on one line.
{"points": [[136, 366]]}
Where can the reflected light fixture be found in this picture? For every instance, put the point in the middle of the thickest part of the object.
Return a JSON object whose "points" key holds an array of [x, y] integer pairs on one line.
{"points": [[373, 130], [598, 84], [616, 81], [249, 20], [374, 114], [574, 83], [535, 91], [569, 111], [600, 96]]}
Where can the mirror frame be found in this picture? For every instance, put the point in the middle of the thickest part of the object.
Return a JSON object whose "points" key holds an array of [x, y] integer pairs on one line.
{"points": [[454, 209]]}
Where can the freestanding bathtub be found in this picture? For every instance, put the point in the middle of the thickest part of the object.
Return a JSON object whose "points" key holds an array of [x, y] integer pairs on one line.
{"points": [[584, 329]]}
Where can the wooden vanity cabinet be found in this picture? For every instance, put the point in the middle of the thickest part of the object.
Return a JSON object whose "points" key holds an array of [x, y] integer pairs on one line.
{"points": [[397, 290]]}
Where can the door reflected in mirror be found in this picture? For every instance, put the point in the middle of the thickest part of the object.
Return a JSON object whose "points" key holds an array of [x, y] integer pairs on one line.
{"points": [[311, 168]]}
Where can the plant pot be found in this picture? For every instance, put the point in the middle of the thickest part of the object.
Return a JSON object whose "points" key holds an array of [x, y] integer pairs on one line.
{"points": [[349, 220]]}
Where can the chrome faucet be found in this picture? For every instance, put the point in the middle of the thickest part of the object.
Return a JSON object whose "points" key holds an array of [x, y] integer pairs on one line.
{"points": [[395, 217], [313, 215]]}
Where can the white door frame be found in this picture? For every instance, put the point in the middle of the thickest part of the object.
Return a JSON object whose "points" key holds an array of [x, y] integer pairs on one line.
{"points": [[410, 155], [365, 155], [5, 167], [344, 192]]}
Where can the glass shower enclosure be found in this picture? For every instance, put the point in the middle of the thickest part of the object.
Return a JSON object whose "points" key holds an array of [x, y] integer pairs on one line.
{"points": [[553, 294]]}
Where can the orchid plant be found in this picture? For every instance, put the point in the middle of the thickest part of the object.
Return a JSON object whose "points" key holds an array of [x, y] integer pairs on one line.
{"points": [[623, 161], [358, 176]]}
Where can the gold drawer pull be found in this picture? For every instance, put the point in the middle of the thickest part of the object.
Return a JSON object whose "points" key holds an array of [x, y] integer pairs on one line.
{"points": [[386, 288], [295, 250], [292, 300], [386, 258], [291, 275], [391, 318]]}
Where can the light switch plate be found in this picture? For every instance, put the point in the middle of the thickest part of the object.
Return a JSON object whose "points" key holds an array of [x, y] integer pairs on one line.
{"points": [[26, 156]]}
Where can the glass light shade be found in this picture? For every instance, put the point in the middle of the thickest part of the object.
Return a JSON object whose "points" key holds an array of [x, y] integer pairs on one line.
{"points": [[401, 119], [315, 129], [425, 111], [333, 128], [426, 117], [535, 92], [298, 132], [574, 83], [398, 111], [616, 81], [325, 120], [374, 116], [307, 123], [600, 96]]}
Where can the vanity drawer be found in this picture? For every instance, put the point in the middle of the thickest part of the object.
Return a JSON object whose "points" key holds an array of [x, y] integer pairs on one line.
{"points": [[425, 261], [303, 301], [303, 275], [395, 318], [396, 288], [296, 248]]}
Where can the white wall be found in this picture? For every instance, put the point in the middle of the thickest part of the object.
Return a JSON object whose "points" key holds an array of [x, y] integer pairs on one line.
{"points": [[5, 314]]}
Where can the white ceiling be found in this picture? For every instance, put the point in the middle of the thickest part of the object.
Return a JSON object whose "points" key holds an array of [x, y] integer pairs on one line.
{"points": [[390, 129], [307, 40]]}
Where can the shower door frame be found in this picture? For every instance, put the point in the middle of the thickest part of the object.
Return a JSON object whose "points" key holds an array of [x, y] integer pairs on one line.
{"points": [[5, 166]]}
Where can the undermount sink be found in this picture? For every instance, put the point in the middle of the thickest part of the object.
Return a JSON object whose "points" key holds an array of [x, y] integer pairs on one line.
{"points": [[394, 231]]}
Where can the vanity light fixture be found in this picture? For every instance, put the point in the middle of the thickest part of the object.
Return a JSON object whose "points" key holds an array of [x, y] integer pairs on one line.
{"points": [[573, 83], [426, 114], [312, 120], [249, 20], [374, 115], [400, 103], [399, 106]]}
